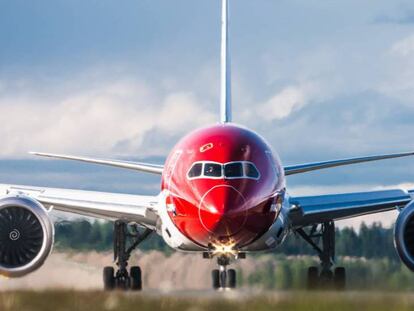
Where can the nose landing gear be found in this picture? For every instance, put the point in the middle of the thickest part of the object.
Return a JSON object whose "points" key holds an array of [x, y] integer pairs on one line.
{"points": [[223, 278]]}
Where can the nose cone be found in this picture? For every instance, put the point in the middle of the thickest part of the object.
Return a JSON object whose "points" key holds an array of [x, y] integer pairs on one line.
{"points": [[222, 211]]}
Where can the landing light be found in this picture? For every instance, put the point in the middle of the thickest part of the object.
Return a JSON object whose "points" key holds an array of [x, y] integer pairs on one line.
{"points": [[224, 249]]}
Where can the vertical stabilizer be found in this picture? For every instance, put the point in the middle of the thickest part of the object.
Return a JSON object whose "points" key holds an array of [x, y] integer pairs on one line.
{"points": [[225, 100]]}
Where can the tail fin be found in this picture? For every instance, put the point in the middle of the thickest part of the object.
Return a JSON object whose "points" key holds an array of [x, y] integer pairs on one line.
{"points": [[225, 100]]}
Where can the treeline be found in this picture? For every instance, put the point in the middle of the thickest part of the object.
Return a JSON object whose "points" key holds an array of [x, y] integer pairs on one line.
{"points": [[372, 241], [368, 242], [288, 273], [84, 235]]}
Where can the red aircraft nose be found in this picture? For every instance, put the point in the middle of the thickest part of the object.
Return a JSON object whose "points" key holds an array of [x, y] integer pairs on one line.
{"points": [[222, 211]]}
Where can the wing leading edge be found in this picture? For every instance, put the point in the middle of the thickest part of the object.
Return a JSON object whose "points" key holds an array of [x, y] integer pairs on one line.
{"points": [[138, 166], [308, 167], [318, 209], [103, 205]]}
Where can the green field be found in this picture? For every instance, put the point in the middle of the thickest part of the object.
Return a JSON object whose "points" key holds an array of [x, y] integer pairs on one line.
{"points": [[199, 301]]}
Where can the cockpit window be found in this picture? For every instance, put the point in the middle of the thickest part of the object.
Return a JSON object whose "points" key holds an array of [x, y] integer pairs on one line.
{"points": [[196, 170], [212, 170], [233, 170], [230, 170], [251, 170]]}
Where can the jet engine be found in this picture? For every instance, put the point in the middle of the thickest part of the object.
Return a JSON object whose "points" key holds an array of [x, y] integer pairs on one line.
{"points": [[404, 235], [26, 235]]}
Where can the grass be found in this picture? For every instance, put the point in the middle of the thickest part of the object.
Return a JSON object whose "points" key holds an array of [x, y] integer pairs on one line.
{"points": [[200, 301]]}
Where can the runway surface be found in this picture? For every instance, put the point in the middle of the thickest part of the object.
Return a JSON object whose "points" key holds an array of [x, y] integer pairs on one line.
{"points": [[177, 282], [203, 300]]}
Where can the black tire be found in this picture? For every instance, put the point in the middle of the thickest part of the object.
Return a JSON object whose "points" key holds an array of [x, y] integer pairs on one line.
{"points": [[215, 275], [231, 278], [313, 278], [136, 278], [108, 278], [340, 278], [127, 283]]}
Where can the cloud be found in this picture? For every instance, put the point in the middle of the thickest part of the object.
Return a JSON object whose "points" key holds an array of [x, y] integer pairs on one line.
{"points": [[183, 111], [95, 118], [397, 76], [286, 102], [404, 47]]}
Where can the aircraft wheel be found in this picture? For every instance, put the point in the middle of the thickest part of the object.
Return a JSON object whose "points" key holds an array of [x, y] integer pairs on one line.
{"points": [[231, 275], [313, 276], [108, 278], [136, 278], [215, 275], [340, 278]]}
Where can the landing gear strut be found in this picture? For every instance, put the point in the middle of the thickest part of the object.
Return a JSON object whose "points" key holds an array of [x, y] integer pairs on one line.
{"points": [[122, 279], [324, 278]]}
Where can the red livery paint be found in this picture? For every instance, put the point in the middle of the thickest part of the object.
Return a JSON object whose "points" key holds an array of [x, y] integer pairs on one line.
{"points": [[223, 209]]}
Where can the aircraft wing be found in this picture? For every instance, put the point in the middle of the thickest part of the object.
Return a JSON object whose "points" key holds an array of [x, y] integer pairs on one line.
{"points": [[109, 206], [138, 166], [318, 209], [308, 167]]}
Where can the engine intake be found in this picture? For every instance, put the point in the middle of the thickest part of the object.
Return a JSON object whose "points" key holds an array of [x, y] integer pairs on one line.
{"points": [[26, 235]]}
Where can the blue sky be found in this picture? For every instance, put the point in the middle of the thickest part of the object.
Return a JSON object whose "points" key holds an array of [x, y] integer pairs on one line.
{"points": [[318, 79]]}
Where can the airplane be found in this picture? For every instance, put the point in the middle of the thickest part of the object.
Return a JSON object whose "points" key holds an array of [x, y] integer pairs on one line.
{"points": [[223, 195]]}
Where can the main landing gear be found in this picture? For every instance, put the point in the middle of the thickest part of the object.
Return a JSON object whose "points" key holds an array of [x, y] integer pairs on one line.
{"points": [[324, 277], [121, 278]]}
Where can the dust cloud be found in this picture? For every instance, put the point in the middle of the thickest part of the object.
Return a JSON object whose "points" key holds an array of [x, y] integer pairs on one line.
{"points": [[83, 271]]}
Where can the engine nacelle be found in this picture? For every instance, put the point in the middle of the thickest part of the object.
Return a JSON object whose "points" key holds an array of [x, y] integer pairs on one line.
{"points": [[26, 235], [404, 235]]}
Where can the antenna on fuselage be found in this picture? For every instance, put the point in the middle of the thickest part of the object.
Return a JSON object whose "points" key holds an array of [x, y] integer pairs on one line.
{"points": [[225, 100]]}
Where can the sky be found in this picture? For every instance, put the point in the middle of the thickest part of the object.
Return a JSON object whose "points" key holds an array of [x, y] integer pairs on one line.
{"points": [[126, 79]]}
